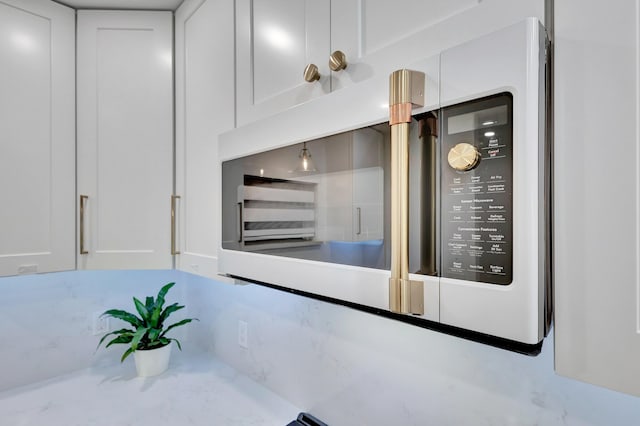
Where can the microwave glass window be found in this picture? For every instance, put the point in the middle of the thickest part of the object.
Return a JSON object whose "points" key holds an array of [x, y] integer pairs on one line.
{"points": [[324, 200]]}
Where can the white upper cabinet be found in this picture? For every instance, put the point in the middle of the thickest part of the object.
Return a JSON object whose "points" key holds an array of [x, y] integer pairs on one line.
{"points": [[204, 109], [276, 39], [597, 191], [379, 36], [37, 137], [125, 139]]}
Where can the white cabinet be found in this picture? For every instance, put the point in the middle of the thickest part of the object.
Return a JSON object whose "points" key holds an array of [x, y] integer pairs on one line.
{"points": [[379, 36], [37, 133], [276, 39], [597, 191], [125, 139], [204, 108]]}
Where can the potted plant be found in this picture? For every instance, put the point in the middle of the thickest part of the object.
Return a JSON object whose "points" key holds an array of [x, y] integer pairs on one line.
{"points": [[147, 338]]}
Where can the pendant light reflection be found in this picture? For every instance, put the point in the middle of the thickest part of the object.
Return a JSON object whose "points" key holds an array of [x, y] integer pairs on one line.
{"points": [[306, 163]]}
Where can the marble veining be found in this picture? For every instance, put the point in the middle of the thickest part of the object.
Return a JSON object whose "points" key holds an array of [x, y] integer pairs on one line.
{"points": [[196, 390], [352, 368], [344, 366]]}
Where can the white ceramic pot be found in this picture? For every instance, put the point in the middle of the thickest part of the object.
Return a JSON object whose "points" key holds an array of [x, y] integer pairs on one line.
{"points": [[152, 362]]}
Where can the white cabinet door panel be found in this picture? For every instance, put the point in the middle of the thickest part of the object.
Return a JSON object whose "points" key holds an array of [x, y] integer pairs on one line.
{"points": [[125, 138], [204, 108], [37, 137], [378, 36], [597, 184], [275, 40]]}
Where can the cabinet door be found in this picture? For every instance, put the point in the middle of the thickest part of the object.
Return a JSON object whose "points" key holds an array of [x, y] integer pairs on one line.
{"points": [[125, 138], [204, 100], [378, 36], [37, 137], [597, 190], [275, 40]]}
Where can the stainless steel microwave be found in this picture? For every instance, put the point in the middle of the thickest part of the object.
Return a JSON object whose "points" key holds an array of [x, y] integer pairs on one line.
{"points": [[314, 200]]}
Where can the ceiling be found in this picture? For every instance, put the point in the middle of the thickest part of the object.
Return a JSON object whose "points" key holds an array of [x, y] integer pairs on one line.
{"points": [[123, 4]]}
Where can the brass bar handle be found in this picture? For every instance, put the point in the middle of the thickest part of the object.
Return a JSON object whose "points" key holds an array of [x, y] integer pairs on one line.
{"points": [[240, 225], [359, 216], [406, 89], [83, 200], [173, 225]]}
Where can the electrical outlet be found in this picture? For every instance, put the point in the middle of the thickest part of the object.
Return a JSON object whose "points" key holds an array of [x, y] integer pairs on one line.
{"points": [[243, 334], [100, 324]]}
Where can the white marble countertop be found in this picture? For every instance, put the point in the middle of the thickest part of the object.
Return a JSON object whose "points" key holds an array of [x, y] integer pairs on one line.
{"points": [[196, 390]]}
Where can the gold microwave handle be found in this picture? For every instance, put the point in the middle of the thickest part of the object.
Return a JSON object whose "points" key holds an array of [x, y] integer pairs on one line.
{"points": [[406, 88]]}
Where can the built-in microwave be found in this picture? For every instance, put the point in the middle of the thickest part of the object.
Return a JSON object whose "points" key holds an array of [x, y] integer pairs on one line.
{"points": [[448, 229]]}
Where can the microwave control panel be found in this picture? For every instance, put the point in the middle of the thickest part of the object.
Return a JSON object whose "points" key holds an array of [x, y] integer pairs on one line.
{"points": [[477, 190]]}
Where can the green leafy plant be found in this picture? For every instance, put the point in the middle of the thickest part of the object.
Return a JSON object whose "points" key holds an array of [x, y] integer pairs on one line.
{"points": [[148, 330]]}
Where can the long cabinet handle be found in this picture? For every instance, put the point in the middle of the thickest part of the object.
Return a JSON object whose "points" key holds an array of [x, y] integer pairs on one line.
{"points": [[240, 224], [173, 225], [359, 216], [83, 200]]}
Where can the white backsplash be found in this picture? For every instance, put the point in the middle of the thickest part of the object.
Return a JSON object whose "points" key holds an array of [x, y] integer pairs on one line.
{"points": [[46, 320], [344, 366], [352, 368]]}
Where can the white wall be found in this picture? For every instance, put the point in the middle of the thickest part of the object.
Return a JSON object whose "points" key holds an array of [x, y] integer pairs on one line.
{"points": [[349, 367]]}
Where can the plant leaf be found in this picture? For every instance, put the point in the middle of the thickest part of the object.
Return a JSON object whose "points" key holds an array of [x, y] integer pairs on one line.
{"points": [[169, 310], [124, 338], [124, 316], [142, 310], [162, 293], [121, 331], [126, 354], [149, 302], [178, 324], [137, 336], [154, 333], [177, 343], [155, 316]]}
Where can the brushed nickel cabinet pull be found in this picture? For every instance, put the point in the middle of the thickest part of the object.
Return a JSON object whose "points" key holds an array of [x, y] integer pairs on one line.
{"points": [[173, 224], [359, 216], [83, 200]]}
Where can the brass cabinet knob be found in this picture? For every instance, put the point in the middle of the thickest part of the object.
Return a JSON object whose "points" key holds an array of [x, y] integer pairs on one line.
{"points": [[463, 157], [311, 73], [337, 61]]}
